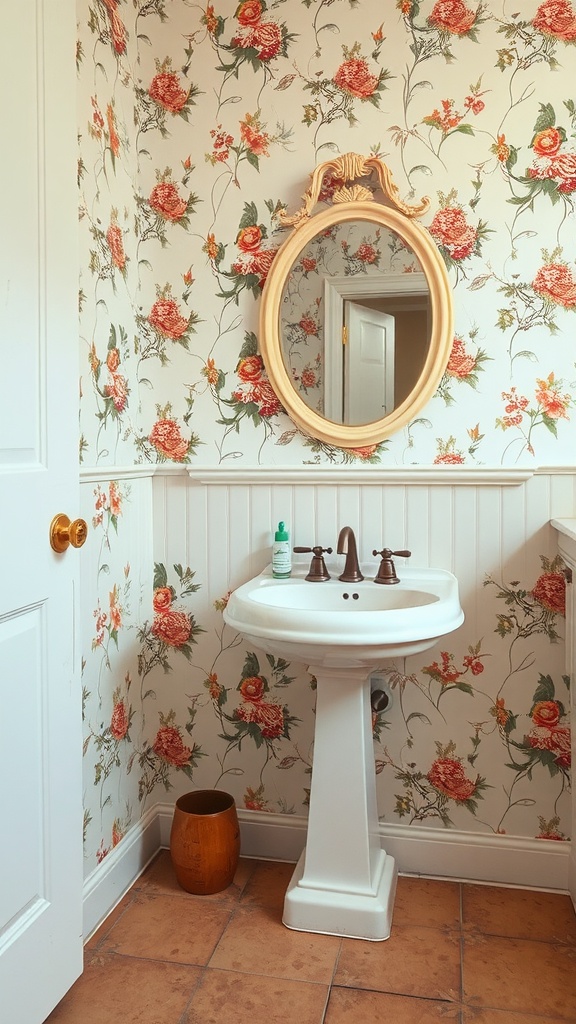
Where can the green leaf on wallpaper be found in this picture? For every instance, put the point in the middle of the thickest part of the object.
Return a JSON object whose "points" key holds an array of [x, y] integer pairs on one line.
{"points": [[546, 118], [479, 282], [252, 159], [160, 577], [464, 129], [250, 346], [525, 354], [249, 217], [550, 424], [544, 690], [251, 666], [420, 715], [422, 168], [329, 27]]}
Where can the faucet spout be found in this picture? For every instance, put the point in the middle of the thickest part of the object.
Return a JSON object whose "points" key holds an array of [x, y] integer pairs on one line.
{"points": [[347, 546]]}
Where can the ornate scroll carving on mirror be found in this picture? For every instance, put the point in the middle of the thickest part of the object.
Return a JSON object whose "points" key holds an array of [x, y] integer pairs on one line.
{"points": [[356, 322]]}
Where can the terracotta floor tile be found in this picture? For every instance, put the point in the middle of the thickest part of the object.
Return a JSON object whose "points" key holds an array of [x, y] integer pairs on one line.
{"points": [[267, 885], [413, 961], [257, 942], [426, 901], [519, 913], [169, 928], [109, 922], [520, 975], [123, 990], [224, 996], [352, 1006], [471, 1015], [160, 878]]}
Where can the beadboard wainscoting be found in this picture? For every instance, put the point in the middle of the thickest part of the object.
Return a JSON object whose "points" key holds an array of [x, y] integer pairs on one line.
{"points": [[176, 529]]}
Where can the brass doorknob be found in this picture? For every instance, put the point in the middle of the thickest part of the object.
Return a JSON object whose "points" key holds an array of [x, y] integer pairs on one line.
{"points": [[63, 533]]}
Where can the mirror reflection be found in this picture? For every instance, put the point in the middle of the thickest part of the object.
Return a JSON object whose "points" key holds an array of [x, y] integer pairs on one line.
{"points": [[355, 322]]}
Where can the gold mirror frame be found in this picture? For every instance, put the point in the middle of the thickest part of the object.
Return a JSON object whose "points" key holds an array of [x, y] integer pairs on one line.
{"points": [[356, 202]]}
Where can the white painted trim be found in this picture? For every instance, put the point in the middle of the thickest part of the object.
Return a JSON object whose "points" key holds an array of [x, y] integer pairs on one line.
{"points": [[94, 474], [446, 853], [402, 476], [410, 475], [108, 883], [432, 853]]}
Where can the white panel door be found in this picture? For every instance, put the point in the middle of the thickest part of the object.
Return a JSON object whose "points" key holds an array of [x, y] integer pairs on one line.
{"points": [[40, 696], [368, 364]]}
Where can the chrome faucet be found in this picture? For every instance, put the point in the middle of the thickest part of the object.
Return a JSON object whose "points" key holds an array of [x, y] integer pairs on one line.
{"points": [[347, 546]]}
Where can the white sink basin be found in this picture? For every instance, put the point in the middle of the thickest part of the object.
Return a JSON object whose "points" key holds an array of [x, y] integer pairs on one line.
{"points": [[346, 625]]}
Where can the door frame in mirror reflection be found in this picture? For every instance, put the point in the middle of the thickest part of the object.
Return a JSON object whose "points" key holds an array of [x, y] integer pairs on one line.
{"points": [[338, 290], [398, 218]]}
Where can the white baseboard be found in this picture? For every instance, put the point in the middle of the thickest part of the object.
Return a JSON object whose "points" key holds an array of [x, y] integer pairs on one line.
{"points": [[108, 883], [434, 853]]}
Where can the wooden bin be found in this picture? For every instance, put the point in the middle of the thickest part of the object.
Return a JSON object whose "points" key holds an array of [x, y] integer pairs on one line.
{"points": [[205, 841]]}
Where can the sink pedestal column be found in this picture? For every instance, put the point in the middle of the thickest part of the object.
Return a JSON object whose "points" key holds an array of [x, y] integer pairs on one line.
{"points": [[344, 882]]}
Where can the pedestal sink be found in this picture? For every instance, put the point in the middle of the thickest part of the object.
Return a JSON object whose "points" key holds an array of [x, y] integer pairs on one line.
{"points": [[344, 882]]}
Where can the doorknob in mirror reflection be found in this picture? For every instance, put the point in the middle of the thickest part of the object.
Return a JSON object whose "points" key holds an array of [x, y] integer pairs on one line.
{"points": [[64, 533]]}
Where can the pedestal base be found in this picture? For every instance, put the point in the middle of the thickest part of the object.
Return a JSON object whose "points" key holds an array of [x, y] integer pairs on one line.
{"points": [[332, 912]]}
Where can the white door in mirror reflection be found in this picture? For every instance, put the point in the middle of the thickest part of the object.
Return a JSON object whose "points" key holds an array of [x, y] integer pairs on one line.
{"points": [[368, 392]]}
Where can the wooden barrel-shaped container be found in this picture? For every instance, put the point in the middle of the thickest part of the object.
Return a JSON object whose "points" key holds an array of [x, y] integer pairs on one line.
{"points": [[205, 841]]}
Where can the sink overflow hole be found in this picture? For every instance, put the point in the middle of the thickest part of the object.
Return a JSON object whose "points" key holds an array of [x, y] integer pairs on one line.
{"points": [[354, 596]]}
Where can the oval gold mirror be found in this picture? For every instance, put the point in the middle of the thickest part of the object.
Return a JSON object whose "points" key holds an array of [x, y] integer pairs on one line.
{"points": [[356, 321]]}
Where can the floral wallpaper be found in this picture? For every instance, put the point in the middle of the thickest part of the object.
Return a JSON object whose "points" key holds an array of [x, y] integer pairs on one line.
{"points": [[198, 124]]}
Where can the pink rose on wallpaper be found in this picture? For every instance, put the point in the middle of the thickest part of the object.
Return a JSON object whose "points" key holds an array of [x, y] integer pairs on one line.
{"points": [[252, 689], [452, 16], [261, 263], [118, 832], [250, 369], [162, 599], [269, 717], [169, 746], [547, 142], [266, 399], [167, 439], [249, 13], [553, 404], [165, 316], [114, 498], [546, 713], [451, 230], [447, 776], [460, 363], [449, 459], [309, 326], [557, 740], [116, 245], [266, 38], [117, 390], [550, 591], [256, 140], [353, 77], [556, 18], [112, 133], [165, 200], [308, 378], [555, 282], [366, 253], [120, 721], [113, 359], [117, 28], [173, 628], [249, 239], [165, 90], [365, 452]]}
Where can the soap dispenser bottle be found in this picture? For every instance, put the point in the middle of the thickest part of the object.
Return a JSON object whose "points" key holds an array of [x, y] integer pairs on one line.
{"points": [[281, 554]]}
